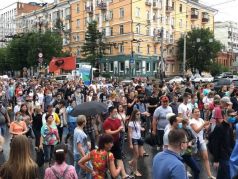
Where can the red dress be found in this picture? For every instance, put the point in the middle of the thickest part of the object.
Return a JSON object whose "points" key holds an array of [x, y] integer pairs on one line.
{"points": [[99, 162]]}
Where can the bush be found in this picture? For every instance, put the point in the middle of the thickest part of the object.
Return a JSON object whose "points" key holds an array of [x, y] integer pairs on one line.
{"points": [[216, 69]]}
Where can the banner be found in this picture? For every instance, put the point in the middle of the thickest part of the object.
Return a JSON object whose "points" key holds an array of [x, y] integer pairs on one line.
{"points": [[65, 63]]}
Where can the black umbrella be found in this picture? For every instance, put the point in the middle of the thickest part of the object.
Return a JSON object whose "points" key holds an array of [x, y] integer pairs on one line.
{"points": [[89, 109]]}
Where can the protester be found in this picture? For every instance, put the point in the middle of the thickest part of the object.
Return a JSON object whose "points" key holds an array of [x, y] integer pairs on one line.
{"points": [[49, 138], [198, 124], [159, 120], [18, 127], [60, 169], [112, 126], [168, 164], [102, 159], [81, 147], [20, 165]]}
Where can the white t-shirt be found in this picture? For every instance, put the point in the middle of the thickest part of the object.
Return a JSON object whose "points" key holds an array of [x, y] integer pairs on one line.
{"points": [[136, 129], [185, 110], [198, 122], [166, 135]]}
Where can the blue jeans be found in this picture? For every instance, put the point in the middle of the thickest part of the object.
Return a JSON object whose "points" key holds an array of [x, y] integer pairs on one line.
{"points": [[71, 127], [80, 172], [223, 170], [48, 152], [189, 160]]}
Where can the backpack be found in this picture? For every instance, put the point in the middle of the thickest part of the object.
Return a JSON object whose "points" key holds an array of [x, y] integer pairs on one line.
{"points": [[57, 175]]}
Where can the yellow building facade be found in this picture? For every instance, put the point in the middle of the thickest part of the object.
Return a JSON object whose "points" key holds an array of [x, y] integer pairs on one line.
{"points": [[134, 30]]}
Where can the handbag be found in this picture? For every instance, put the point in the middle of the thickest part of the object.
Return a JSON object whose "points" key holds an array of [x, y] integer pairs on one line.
{"points": [[107, 172]]}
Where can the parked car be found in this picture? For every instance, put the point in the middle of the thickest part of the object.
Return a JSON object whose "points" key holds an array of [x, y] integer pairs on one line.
{"points": [[221, 82], [176, 79], [225, 75], [204, 79]]}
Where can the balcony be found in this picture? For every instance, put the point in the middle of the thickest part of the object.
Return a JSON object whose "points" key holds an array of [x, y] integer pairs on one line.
{"points": [[156, 5], [102, 5], [148, 2], [157, 39], [169, 9], [205, 18], [67, 17], [194, 14], [89, 9]]}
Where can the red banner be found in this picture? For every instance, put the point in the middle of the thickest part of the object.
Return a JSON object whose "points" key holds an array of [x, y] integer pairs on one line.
{"points": [[65, 63]]}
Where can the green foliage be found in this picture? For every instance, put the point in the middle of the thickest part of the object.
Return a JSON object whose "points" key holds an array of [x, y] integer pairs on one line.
{"points": [[216, 69], [94, 47], [23, 51], [199, 54]]}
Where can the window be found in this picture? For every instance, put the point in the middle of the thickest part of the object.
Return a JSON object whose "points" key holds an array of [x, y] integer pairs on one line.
{"points": [[77, 38], [180, 23], [122, 12], [138, 48], [147, 66], [78, 8], [111, 31], [137, 12], [97, 17], [78, 51], [148, 49], [103, 32], [180, 8], [138, 68], [155, 49], [167, 20], [104, 16], [111, 15], [147, 30], [121, 29], [111, 66], [121, 48], [172, 66], [138, 29], [78, 23], [110, 50], [154, 66], [148, 15], [122, 66]]}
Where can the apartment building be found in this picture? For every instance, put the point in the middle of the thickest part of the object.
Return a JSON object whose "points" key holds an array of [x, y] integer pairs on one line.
{"points": [[8, 16], [140, 33]]}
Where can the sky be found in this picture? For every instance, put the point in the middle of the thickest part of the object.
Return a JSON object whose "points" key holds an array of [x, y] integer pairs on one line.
{"points": [[227, 9]]}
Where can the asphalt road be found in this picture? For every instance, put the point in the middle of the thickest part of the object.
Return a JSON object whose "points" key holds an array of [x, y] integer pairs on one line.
{"points": [[144, 165]]}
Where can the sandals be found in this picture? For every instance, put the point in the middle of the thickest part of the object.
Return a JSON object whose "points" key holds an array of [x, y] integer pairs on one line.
{"points": [[137, 174], [128, 177]]}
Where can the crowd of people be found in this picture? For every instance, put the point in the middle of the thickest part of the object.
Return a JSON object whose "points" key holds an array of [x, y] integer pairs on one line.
{"points": [[186, 121]]}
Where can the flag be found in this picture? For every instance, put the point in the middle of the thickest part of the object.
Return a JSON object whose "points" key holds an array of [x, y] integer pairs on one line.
{"points": [[65, 63]]}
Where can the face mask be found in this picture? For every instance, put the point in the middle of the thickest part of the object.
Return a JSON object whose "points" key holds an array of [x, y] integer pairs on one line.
{"points": [[196, 100], [189, 101], [19, 103], [50, 94], [180, 125], [114, 116], [231, 119]]}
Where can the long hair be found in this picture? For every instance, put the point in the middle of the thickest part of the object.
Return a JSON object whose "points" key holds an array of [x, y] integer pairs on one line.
{"points": [[20, 165], [133, 115], [24, 112]]}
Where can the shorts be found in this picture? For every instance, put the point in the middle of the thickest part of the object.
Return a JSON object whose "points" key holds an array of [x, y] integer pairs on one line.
{"points": [[116, 150], [139, 142]]}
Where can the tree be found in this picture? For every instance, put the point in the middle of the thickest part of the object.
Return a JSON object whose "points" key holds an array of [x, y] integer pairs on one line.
{"points": [[94, 47], [3, 60], [23, 50], [201, 49]]}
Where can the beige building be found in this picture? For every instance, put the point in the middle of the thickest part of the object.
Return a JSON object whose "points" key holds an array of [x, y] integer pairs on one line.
{"points": [[133, 29]]}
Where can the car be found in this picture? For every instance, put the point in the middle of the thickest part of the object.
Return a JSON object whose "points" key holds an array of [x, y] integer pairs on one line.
{"points": [[222, 82], [204, 79], [176, 79], [225, 75], [126, 82]]}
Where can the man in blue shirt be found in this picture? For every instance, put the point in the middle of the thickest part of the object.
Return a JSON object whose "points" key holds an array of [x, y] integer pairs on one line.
{"points": [[168, 164]]}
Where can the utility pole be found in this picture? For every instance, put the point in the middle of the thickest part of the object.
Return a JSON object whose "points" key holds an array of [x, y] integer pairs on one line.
{"points": [[162, 55], [184, 54]]}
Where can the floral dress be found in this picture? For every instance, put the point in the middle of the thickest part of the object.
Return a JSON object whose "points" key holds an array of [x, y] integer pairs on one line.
{"points": [[99, 162]]}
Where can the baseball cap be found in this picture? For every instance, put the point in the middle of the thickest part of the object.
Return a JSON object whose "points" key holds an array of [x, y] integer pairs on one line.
{"points": [[226, 99], [164, 99]]}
